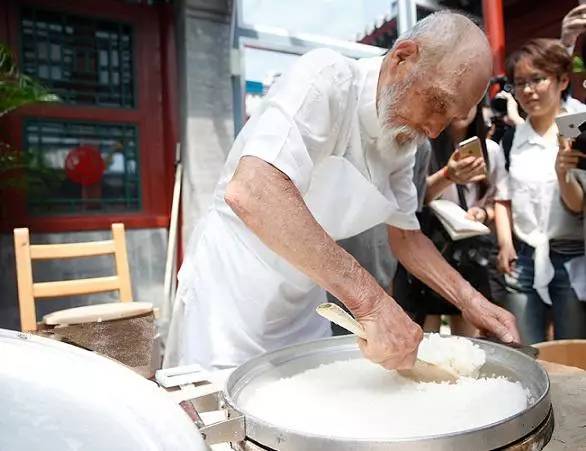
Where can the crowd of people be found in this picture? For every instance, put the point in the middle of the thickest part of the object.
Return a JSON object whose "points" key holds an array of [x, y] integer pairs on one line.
{"points": [[525, 188]]}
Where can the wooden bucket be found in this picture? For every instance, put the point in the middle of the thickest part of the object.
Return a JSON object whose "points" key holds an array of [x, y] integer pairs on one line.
{"points": [[565, 352], [123, 331]]}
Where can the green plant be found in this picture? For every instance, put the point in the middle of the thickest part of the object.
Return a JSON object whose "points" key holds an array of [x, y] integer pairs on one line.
{"points": [[17, 89], [26, 169], [578, 65], [18, 169]]}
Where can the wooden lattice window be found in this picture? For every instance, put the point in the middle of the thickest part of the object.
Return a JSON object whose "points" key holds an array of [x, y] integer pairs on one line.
{"points": [[112, 63], [82, 167], [82, 59]]}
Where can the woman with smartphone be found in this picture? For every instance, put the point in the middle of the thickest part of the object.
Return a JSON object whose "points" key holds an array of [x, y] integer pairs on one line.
{"points": [[538, 235]]}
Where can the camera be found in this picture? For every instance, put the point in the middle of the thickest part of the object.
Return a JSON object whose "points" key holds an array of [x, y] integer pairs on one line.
{"points": [[573, 126], [499, 106], [580, 144]]}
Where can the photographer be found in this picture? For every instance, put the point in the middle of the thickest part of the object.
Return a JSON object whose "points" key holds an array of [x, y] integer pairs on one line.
{"points": [[547, 236], [504, 111]]}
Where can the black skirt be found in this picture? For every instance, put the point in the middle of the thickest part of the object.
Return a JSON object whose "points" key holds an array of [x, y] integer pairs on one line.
{"points": [[419, 300]]}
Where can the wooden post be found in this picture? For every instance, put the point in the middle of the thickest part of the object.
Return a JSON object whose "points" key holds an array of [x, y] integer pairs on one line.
{"points": [[24, 273], [121, 258]]}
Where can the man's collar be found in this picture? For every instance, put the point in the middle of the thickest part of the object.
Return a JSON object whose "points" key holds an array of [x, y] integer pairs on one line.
{"points": [[369, 69]]}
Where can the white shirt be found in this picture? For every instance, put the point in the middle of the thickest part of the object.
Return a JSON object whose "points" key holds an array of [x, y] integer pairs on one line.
{"points": [[319, 126], [326, 107], [532, 187], [571, 105]]}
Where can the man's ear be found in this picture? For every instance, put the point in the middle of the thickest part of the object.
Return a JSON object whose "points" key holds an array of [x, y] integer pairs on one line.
{"points": [[405, 51]]}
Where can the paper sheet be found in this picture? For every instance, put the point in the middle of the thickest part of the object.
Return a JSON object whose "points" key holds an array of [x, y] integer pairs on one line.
{"points": [[454, 220]]}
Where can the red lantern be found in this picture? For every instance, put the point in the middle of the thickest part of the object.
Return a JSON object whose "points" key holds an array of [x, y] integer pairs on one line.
{"points": [[84, 165]]}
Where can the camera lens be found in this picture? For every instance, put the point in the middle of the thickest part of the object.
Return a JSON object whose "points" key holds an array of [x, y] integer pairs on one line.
{"points": [[499, 106]]}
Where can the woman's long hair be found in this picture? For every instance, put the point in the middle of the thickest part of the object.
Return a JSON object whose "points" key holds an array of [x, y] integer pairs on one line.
{"points": [[444, 146]]}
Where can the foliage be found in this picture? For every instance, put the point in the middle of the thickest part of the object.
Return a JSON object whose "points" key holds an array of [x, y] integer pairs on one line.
{"points": [[17, 89], [578, 65], [19, 169], [26, 169]]}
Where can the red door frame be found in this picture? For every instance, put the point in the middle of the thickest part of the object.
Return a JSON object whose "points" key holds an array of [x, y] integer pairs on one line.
{"points": [[155, 112], [494, 24]]}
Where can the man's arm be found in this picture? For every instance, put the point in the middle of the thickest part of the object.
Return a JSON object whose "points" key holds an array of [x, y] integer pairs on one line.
{"points": [[271, 206], [421, 258]]}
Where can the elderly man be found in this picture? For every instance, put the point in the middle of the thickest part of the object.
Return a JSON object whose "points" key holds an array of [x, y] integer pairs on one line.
{"points": [[328, 155]]}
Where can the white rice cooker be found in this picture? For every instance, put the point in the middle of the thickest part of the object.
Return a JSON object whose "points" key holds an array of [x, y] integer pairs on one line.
{"points": [[57, 397]]}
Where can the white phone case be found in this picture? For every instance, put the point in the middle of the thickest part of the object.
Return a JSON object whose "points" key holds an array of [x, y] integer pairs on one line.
{"points": [[571, 125]]}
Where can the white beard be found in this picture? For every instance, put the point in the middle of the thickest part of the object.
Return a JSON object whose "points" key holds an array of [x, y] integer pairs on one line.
{"points": [[400, 137]]}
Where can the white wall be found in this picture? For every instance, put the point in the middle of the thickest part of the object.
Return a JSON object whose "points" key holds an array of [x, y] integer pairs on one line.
{"points": [[204, 55]]}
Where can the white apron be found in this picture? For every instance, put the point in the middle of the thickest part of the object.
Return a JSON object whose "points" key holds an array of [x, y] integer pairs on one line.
{"points": [[319, 126], [251, 300]]}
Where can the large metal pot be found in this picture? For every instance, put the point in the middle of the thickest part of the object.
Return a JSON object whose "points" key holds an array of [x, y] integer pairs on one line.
{"points": [[501, 361], [57, 397]]}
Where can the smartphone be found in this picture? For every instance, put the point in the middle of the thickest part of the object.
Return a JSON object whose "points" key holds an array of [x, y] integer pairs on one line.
{"points": [[470, 148], [580, 144], [573, 126]]}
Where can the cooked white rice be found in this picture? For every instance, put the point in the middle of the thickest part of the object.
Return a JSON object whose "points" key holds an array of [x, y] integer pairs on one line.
{"points": [[358, 399], [458, 354]]}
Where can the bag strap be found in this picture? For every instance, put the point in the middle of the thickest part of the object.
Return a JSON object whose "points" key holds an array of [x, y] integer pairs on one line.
{"points": [[462, 197], [507, 143]]}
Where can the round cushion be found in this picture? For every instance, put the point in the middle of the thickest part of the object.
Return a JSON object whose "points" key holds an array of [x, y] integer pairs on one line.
{"points": [[97, 313]]}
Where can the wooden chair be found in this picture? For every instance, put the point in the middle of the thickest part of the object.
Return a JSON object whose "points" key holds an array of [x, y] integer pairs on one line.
{"points": [[28, 290]]}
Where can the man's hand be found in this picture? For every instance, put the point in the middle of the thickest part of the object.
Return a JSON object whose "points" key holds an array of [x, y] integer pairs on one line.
{"points": [[466, 170], [420, 257], [392, 338], [490, 319], [573, 24]]}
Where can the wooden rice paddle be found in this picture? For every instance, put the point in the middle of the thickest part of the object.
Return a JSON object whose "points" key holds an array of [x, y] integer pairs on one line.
{"points": [[422, 371]]}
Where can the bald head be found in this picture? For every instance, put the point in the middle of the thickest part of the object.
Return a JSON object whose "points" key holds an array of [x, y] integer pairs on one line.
{"points": [[435, 73], [449, 41]]}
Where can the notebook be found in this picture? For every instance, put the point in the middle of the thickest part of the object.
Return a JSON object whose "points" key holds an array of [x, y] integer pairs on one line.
{"points": [[454, 220]]}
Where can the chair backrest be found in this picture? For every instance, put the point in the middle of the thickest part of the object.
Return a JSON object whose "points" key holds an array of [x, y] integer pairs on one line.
{"points": [[28, 290]]}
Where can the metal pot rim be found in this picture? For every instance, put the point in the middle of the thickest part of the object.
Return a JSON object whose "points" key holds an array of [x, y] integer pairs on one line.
{"points": [[506, 430]]}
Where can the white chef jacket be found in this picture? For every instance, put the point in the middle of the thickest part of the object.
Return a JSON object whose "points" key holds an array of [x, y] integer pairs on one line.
{"points": [[319, 126], [538, 214]]}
